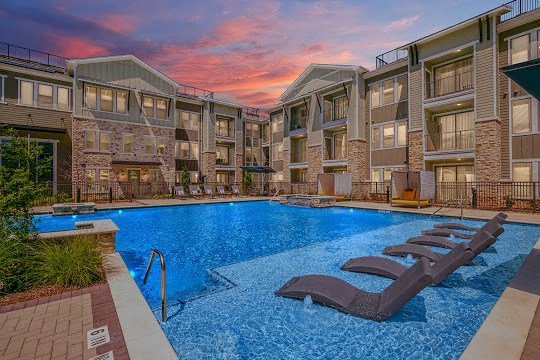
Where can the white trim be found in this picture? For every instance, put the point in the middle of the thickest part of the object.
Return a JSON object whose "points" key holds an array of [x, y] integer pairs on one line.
{"points": [[121, 121]]}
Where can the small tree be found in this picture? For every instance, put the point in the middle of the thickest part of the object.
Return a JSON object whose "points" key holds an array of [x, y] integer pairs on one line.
{"points": [[185, 178], [22, 167], [248, 181]]}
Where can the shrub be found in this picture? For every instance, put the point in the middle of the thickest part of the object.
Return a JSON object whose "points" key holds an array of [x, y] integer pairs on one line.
{"points": [[13, 254], [67, 262], [247, 182], [510, 201]]}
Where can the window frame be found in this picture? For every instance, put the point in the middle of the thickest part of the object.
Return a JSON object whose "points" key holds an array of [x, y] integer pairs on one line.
{"points": [[124, 143], [530, 106], [157, 145], [41, 86], [35, 94], [109, 133], [153, 143]]}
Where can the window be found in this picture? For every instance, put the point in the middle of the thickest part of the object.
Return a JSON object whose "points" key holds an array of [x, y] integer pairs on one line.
{"points": [[522, 172], [388, 136], [104, 141], [222, 178], [45, 96], [387, 174], [106, 100], [121, 102], [375, 95], [375, 175], [153, 175], [91, 97], [128, 143], [185, 150], [89, 140], [388, 92], [148, 145], [521, 116], [103, 180], [402, 88], [277, 123], [27, 93], [375, 137], [224, 126], [161, 106], [402, 133], [519, 49], [160, 146], [148, 106], [62, 96], [194, 176], [222, 155], [278, 152], [195, 150], [90, 178], [186, 120]]}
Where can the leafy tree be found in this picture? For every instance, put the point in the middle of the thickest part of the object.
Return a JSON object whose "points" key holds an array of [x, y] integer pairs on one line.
{"points": [[248, 181]]}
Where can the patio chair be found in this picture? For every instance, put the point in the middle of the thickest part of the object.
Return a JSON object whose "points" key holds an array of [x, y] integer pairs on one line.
{"points": [[481, 241], [447, 264], [179, 191], [458, 226], [208, 191], [493, 226], [341, 295], [235, 190], [221, 191], [195, 190]]}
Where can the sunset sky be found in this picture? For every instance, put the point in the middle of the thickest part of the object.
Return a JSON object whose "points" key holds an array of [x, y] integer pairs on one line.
{"points": [[245, 51]]}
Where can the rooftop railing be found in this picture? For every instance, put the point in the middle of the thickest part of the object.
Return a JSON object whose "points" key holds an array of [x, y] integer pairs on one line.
{"points": [[520, 7], [194, 91], [390, 57], [21, 53], [250, 111]]}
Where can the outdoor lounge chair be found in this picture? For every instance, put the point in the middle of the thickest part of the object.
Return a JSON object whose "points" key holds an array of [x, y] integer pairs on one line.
{"points": [[493, 226], [481, 241], [221, 191], [208, 191], [179, 191], [235, 190], [341, 295], [195, 190], [458, 226], [447, 264]]}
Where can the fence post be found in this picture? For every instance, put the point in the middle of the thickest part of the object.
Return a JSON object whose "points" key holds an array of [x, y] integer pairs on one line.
{"points": [[474, 203], [534, 198], [388, 194], [78, 199], [172, 192], [110, 195]]}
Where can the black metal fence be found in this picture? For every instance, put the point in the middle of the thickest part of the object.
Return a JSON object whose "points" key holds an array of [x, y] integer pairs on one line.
{"points": [[18, 52], [520, 7]]}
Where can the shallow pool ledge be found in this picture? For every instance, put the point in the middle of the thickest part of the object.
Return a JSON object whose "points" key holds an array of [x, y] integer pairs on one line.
{"points": [[504, 333], [143, 334]]}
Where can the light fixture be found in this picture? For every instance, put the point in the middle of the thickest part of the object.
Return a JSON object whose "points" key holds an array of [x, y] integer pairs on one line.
{"points": [[458, 104]]}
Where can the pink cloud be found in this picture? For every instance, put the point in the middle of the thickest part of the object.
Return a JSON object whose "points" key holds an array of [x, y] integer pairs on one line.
{"points": [[118, 23]]}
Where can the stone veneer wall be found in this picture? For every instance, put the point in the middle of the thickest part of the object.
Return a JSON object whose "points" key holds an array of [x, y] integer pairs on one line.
{"points": [[239, 173], [103, 160], [209, 166], [314, 162], [286, 162], [357, 160], [488, 150], [416, 151]]}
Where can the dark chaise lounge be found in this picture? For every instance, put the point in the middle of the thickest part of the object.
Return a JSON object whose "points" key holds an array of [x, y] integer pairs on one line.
{"points": [[481, 241], [493, 226], [448, 263], [347, 298], [458, 226]]}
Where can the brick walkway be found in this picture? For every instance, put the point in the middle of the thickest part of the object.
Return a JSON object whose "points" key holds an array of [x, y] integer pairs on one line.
{"points": [[56, 327]]}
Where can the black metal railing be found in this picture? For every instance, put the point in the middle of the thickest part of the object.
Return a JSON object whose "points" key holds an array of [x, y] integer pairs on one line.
{"points": [[335, 153], [298, 123], [194, 91], [450, 84], [456, 140], [250, 111], [520, 7], [335, 113], [40, 57], [224, 161], [390, 57]]}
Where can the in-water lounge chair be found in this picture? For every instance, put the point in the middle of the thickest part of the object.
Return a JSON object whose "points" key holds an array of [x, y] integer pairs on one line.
{"points": [[481, 241], [195, 190], [458, 226], [493, 226], [447, 264], [341, 295]]}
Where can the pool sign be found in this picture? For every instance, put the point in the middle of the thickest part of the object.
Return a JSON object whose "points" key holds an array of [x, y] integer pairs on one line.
{"points": [[107, 356], [98, 336]]}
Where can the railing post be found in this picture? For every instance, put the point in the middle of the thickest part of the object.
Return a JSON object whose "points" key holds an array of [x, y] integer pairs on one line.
{"points": [[534, 198], [388, 194], [78, 199], [110, 195], [474, 199], [172, 192]]}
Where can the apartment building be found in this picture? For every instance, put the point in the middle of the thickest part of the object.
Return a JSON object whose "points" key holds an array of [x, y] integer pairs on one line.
{"points": [[115, 119], [439, 103]]}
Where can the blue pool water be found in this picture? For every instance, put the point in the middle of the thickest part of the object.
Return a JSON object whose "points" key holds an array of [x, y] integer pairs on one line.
{"points": [[252, 249]]}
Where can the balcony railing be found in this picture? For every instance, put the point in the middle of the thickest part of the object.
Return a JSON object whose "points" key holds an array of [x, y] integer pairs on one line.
{"points": [[224, 161], [450, 85], [224, 131], [196, 92], [250, 111], [335, 113], [335, 153], [298, 123], [457, 140], [520, 7], [298, 157], [390, 57], [21, 53]]}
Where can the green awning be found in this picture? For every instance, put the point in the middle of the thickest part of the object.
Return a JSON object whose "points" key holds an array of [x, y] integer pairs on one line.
{"points": [[527, 75]]}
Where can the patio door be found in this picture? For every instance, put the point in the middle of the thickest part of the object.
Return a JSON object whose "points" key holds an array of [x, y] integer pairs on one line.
{"points": [[454, 182], [134, 180]]}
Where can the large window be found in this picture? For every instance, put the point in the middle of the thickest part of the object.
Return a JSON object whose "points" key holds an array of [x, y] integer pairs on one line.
{"points": [[161, 109], [187, 120], [106, 100], [521, 116], [222, 155], [128, 143], [45, 96], [522, 172], [96, 180], [186, 150], [375, 137], [26, 93], [160, 145], [90, 140], [224, 126], [402, 88], [520, 49], [375, 95], [155, 108], [389, 137], [402, 133], [63, 99], [97, 140], [90, 97], [277, 152], [454, 77], [121, 102], [104, 141], [222, 178], [148, 106], [277, 123], [388, 92]]}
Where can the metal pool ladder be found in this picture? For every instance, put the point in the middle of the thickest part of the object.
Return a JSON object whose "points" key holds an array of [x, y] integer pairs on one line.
{"points": [[273, 197], [163, 281]]}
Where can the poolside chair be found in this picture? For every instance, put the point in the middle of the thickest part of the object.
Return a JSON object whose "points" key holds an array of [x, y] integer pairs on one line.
{"points": [[493, 226], [458, 226], [221, 191], [195, 190], [480, 242], [235, 190], [341, 295], [447, 264], [179, 191], [208, 191]]}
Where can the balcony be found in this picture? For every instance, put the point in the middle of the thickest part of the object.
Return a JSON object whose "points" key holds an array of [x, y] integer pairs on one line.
{"points": [[224, 160], [457, 140], [335, 153], [194, 92], [30, 58], [298, 157], [450, 85], [335, 113], [298, 123], [390, 57], [520, 7], [225, 131]]}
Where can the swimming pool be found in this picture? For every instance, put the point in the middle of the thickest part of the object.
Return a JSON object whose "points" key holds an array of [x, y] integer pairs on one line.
{"points": [[254, 248]]}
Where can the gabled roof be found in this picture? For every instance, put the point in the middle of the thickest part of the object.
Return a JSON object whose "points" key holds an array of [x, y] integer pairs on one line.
{"points": [[309, 69], [72, 62]]}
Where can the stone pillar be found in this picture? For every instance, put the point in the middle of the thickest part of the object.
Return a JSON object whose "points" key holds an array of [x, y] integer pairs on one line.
{"points": [[357, 160], [286, 162], [314, 162], [488, 150], [239, 173], [209, 166], [416, 151]]}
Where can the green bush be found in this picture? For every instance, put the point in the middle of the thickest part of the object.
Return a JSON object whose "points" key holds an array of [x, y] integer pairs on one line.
{"points": [[67, 262], [13, 255]]}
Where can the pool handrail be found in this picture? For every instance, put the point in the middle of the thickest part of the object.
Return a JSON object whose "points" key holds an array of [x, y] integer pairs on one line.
{"points": [[163, 281]]}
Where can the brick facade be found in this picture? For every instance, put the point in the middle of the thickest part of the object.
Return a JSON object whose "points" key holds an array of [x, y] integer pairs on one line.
{"points": [[488, 150], [314, 154], [416, 151], [286, 162], [209, 166], [239, 174], [357, 159]]}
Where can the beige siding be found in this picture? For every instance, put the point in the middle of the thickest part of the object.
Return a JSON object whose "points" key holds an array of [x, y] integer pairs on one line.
{"points": [[485, 93], [415, 99], [390, 112], [328, 78], [455, 39], [388, 157]]}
